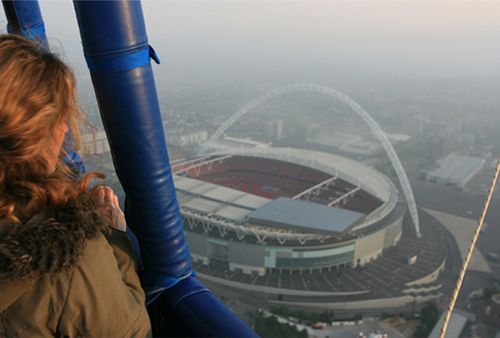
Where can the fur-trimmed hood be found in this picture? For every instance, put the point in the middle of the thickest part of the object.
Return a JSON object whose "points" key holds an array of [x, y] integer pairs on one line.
{"points": [[51, 241]]}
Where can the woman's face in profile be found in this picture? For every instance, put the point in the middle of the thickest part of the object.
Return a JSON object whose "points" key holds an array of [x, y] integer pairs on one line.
{"points": [[55, 144]]}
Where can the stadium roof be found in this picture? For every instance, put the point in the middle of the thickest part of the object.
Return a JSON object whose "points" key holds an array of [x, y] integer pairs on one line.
{"points": [[457, 169], [304, 216], [216, 200]]}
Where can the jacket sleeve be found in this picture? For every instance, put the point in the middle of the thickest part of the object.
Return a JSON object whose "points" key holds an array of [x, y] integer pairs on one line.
{"points": [[122, 250]]}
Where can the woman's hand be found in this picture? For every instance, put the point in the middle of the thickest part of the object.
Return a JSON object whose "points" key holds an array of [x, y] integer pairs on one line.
{"points": [[106, 198]]}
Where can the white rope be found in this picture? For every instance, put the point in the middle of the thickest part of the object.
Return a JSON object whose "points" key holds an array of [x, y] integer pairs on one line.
{"points": [[460, 280]]}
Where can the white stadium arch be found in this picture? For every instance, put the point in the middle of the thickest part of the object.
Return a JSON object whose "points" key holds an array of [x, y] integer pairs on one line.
{"points": [[360, 111]]}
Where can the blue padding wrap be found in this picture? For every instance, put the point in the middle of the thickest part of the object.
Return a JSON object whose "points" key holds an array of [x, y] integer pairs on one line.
{"points": [[154, 294], [196, 312], [24, 18], [33, 33], [72, 159], [175, 296], [131, 116], [122, 61], [74, 163]]}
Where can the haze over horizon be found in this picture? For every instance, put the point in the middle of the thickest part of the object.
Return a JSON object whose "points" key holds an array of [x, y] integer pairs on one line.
{"points": [[304, 41]]}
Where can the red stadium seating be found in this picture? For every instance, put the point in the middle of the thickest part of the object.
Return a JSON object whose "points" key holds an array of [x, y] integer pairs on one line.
{"points": [[273, 178]]}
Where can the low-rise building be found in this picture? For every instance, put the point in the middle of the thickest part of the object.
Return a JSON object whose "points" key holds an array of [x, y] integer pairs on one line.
{"points": [[456, 170]]}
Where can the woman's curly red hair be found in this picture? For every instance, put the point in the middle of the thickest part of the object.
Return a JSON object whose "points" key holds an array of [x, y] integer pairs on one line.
{"points": [[37, 91]]}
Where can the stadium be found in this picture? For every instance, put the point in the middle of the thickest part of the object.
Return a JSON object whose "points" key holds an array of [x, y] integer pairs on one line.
{"points": [[307, 229]]}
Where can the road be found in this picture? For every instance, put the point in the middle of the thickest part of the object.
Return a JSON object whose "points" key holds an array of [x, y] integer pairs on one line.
{"points": [[464, 204], [352, 331]]}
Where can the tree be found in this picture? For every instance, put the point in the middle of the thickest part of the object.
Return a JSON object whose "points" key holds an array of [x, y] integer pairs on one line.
{"points": [[428, 318], [270, 327]]}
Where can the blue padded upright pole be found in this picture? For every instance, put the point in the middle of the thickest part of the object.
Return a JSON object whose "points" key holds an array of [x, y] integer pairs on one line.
{"points": [[118, 55], [24, 18]]}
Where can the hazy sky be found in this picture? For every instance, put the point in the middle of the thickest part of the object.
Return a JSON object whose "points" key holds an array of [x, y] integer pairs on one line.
{"points": [[422, 39]]}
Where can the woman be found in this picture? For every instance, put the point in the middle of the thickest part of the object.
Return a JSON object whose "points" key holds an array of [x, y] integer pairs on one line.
{"points": [[66, 267]]}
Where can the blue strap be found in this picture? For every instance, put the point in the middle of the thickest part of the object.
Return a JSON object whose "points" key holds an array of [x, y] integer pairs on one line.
{"points": [[33, 33], [74, 163], [121, 62]]}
